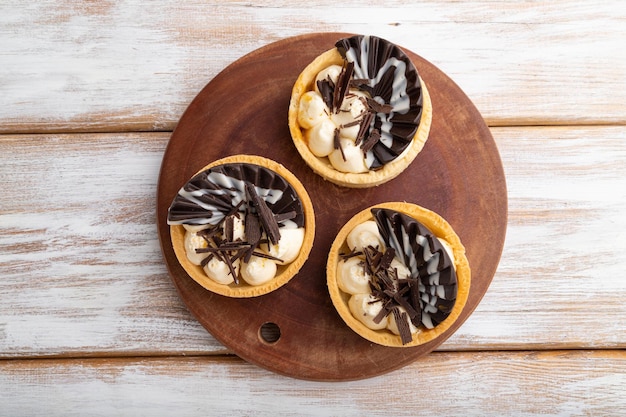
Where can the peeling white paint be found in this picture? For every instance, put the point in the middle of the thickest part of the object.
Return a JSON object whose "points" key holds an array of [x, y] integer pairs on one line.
{"points": [[80, 268], [129, 64]]}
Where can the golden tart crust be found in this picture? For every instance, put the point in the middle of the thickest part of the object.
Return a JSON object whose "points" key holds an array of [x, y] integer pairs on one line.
{"points": [[284, 272], [322, 166], [442, 229]]}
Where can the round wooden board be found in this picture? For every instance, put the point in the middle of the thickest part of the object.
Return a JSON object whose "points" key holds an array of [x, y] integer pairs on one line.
{"points": [[244, 110]]}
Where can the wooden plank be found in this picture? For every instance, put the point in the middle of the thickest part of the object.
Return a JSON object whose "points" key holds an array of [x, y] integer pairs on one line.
{"points": [[82, 272], [471, 384], [121, 66], [560, 276], [79, 256]]}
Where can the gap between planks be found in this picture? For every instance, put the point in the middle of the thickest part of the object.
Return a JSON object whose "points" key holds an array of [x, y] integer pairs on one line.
{"points": [[168, 128], [226, 354]]}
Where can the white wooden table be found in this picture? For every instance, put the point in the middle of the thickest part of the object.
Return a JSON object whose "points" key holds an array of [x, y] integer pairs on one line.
{"points": [[90, 323]]}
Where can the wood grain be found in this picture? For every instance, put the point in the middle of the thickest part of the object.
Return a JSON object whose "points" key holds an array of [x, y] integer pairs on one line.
{"points": [[79, 259], [114, 297], [564, 247], [122, 66], [80, 271], [560, 383]]}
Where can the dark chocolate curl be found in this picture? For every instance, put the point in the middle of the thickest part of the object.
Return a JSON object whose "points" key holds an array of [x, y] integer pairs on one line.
{"points": [[341, 88], [265, 214], [402, 322], [326, 91], [428, 261], [373, 55]]}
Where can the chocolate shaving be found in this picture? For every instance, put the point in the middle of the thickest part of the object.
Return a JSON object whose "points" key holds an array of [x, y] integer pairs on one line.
{"points": [[285, 216], [235, 210], [216, 240], [371, 140], [343, 81], [384, 312], [394, 292], [402, 322], [361, 84], [372, 257], [385, 260], [352, 123], [229, 228], [266, 256], [265, 214], [252, 228], [207, 233], [366, 120], [206, 260], [223, 250], [398, 297], [239, 254], [231, 267], [326, 89], [388, 286], [337, 143], [376, 107], [352, 254]]}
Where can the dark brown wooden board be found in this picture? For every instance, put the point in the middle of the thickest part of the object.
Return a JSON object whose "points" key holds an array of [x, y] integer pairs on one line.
{"points": [[243, 109]]}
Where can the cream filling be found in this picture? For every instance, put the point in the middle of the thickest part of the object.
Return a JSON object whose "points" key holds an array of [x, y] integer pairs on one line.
{"points": [[258, 270], [352, 277], [192, 242], [288, 246], [363, 235], [365, 308], [349, 158], [392, 326], [219, 272], [320, 124]]}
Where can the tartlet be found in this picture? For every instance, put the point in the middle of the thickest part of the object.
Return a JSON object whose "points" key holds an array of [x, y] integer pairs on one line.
{"points": [[446, 290], [231, 221], [391, 112]]}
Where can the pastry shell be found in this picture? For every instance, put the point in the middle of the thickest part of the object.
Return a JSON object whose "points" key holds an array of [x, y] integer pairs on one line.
{"points": [[442, 229], [284, 272], [322, 166]]}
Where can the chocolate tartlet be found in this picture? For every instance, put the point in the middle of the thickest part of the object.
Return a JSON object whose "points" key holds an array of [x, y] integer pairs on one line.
{"points": [[398, 275], [360, 113], [242, 226]]}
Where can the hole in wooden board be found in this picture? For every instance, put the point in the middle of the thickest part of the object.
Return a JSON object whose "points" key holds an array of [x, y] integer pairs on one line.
{"points": [[269, 332]]}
